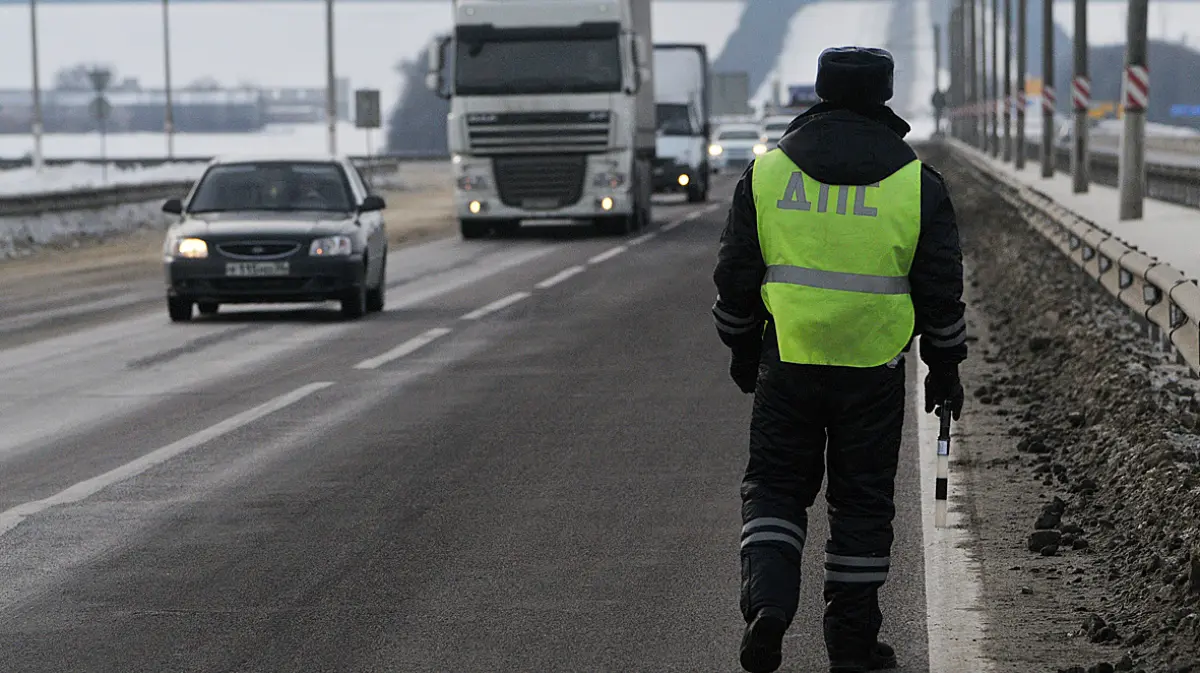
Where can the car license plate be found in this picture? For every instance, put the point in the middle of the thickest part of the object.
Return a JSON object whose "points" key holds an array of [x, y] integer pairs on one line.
{"points": [[256, 269]]}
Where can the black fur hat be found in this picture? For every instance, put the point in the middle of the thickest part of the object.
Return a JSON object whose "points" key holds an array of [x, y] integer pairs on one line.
{"points": [[855, 75]]}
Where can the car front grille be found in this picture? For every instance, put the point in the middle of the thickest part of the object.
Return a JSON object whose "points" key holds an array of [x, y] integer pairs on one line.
{"points": [[259, 250], [540, 183], [260, 284]]}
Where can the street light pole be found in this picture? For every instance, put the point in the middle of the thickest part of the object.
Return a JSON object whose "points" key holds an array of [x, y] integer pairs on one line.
{"points": [[169, 118], [1081, 98], [330, 79], [36, 126], [1048, 107], [1022, 78], [1008, 88]]}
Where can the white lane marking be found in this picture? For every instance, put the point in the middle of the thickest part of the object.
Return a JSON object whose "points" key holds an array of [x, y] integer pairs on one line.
{"points": [[952, 590], [405, 348], [608, 254], [11, 518], [497, 305], [559, 277], [670, 225], [642, 239]]}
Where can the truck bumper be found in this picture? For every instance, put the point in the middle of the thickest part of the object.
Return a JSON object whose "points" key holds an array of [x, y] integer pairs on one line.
{"points": [[485, 206]]}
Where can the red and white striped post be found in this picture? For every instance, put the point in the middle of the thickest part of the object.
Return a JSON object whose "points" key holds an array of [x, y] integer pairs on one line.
{"points": [[1048, 100], [1081, 94], [1137, 88]]}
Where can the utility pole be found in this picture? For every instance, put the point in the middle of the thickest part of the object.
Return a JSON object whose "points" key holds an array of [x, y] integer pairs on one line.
{"points": [[36, 125], [982, 75], [1022, 78], [992, 109], [973, 72], [1081, 96], [1048, 158], [1132, 171], [169, 114], [955, 87], [330, 79], [1008, 88], [939, 96]]}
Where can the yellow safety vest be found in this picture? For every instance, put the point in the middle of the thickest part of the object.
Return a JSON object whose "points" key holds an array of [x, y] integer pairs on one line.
{"points": [[837, 260]]}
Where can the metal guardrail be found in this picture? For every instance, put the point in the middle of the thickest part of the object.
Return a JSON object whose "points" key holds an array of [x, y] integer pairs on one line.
{"points": [[1167, 182], [101, 197], [7, 163], [1157, 292]]}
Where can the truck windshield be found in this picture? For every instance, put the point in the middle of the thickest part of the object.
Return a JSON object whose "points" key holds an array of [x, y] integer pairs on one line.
{"points": [[492, 67], [673, 120]]}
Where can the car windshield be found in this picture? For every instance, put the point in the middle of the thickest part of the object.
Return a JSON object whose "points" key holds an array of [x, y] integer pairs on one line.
{"points": [[273, 186], [746, 134], [543, 66], [673, 120], [776, 129]]}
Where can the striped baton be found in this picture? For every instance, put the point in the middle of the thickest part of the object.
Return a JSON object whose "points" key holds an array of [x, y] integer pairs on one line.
{"points": [[941, 485]]}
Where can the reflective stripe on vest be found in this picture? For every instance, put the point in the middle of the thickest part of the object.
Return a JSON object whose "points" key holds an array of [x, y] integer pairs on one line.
{"points": [[837, 260]]}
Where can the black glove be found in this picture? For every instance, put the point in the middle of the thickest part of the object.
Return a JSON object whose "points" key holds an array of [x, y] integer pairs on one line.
{"points": [[744, 370], [942, 385]]}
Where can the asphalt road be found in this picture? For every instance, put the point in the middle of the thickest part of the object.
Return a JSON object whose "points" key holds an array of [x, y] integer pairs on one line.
{"points": [[548, 485]]}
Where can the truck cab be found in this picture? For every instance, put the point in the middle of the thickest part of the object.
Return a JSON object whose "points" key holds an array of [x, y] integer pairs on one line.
{"points": [[551, 112], [681, 96]]}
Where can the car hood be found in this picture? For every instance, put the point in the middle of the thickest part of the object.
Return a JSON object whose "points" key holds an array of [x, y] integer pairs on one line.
{"points": [[235, 224]]}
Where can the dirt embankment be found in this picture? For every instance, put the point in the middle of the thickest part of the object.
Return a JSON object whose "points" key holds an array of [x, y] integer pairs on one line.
{"points": [[1081, 460]]}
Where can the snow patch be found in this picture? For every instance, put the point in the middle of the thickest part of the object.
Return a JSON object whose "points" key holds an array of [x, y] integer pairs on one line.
{"points": [[19, 236]]}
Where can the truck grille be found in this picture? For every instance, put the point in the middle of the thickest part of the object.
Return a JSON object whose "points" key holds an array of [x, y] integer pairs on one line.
{"points": [[258, 249], [538, 132], [540, 183]]}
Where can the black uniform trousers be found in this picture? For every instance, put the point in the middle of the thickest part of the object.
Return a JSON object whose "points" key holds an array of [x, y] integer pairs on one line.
{"points": [[807, 418]]}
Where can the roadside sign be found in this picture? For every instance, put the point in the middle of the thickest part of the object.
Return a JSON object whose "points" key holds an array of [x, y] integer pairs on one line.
{"points": [[100, 108], [367, 114], [1185, 110]]}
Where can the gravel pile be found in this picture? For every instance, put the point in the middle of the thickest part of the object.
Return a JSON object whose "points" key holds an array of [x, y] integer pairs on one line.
{"points": [[1097, 426]]}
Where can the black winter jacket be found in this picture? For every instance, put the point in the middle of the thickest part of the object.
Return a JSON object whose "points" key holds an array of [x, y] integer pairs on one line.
{"points": [[842, 147]]}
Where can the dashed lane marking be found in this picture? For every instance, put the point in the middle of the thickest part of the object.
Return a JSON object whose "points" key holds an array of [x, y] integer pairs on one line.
{"points": [[559, 277], [497, 305], [406, 348], [11, 518], [642, 239], [608, 254]]}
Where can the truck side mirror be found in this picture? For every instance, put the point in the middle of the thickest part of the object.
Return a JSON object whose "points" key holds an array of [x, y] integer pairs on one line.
{"points": [[436, 59]]}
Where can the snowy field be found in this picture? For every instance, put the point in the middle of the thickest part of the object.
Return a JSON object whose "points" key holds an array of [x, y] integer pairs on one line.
{"points": [[817, 27], [81, 176]]}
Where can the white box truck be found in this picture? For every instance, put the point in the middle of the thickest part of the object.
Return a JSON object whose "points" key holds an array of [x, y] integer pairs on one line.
{"points": [[551, 112], [681, 97]]}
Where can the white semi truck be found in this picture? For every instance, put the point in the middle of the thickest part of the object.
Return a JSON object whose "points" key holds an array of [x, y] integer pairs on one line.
{"points": [[681, 96], [551, 112]]}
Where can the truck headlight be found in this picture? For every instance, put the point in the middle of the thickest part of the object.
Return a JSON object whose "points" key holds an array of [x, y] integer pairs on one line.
{"points": [[190, 248], [612, 180], [469, 183], [760, 149], [715, 150], [331, 246]]}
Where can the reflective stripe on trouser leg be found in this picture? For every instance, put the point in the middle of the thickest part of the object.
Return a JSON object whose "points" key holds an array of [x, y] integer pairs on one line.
{"points": [[856, 569], [771, 529]]}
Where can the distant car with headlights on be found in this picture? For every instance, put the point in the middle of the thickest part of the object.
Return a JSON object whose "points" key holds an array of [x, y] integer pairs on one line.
{"points": [[276, 230], [735, 145], [773, 128]]}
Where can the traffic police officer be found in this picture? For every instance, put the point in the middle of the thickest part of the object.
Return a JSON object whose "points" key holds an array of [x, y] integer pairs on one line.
{"points": [[840, 248]]}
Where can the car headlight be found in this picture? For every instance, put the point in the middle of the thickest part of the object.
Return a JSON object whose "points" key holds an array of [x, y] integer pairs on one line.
{"points": [[715, 150], [612, 180], [760, 149], [189, 248], [469, 183], [331, 246]]}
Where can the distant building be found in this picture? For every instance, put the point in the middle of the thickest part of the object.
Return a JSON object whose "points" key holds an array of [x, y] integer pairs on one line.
{"points": [[133, 110]]}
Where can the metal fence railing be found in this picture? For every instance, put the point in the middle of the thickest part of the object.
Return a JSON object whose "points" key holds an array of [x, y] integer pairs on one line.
{"points": [[1163, 296]]}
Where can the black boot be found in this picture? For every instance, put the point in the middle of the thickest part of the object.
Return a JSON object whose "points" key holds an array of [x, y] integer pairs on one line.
{"points": [[762, 643], [882, 657]]}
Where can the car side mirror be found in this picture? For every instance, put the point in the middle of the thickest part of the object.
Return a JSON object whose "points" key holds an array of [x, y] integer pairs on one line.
{"points": [[371, 204], [173, 207]]}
